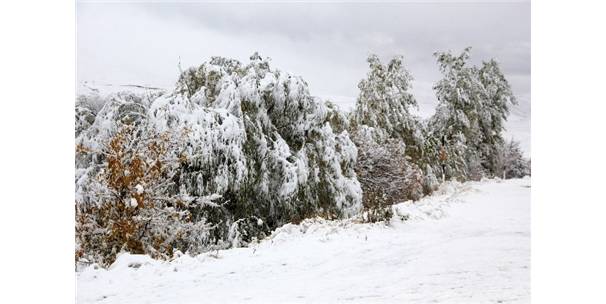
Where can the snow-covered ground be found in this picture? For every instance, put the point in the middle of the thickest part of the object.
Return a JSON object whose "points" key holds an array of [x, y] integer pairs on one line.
{"points": [[468, 243]]}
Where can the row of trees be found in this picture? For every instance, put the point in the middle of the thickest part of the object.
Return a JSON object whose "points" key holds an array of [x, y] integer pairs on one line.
{"points": [[244, 149], [236, 151], [463, 140]]}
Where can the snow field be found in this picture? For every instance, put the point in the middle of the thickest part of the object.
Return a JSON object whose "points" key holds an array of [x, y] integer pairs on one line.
{"points": [[467, 243]]}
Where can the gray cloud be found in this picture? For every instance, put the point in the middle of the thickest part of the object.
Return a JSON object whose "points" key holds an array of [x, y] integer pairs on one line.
{"points": [[325, 43]]}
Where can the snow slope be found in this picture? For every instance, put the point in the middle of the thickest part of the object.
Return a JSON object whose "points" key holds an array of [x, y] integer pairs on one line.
{"points": [[468, 243]]}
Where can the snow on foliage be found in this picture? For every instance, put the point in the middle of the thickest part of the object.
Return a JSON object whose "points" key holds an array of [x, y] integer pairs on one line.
{"points": [[249, 134], [388, 137], [386, 176], [384, 100], [236, 150], [469, 121]]}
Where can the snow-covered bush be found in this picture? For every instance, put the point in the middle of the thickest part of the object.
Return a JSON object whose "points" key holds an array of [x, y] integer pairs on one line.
{"points": [[250, 136], [510, 161], [386, 175], [132, 206]]}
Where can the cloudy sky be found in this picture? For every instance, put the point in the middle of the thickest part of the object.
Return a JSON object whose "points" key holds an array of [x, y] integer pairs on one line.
{"points": [[326, 43]]}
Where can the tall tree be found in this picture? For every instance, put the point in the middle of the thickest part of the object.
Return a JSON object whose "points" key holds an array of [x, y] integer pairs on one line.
{"points": [[497, 100], [454, 128], [385, 103], [473, 107], [388, 136]]}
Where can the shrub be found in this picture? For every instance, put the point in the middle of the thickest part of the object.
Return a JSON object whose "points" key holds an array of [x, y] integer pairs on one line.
{"points": [[386, 177], [134, 208], [510, 161]]}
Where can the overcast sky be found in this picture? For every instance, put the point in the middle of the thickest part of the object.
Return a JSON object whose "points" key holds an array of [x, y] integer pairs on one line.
{"points": [[327, 44]]}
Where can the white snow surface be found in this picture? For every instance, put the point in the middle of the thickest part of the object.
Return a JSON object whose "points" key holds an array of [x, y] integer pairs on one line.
{"points": [[467, 243]]}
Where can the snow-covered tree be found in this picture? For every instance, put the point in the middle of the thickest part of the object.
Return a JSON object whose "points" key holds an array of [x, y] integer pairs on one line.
{"points": [[384, 100], [339, 121], [388, 135], [252, 135], [455, 125], [385, 103], [498, 98], [469, 120]]}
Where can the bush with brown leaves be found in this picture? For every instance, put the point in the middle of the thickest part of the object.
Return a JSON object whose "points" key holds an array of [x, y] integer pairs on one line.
{"points": [[135, 206]]}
